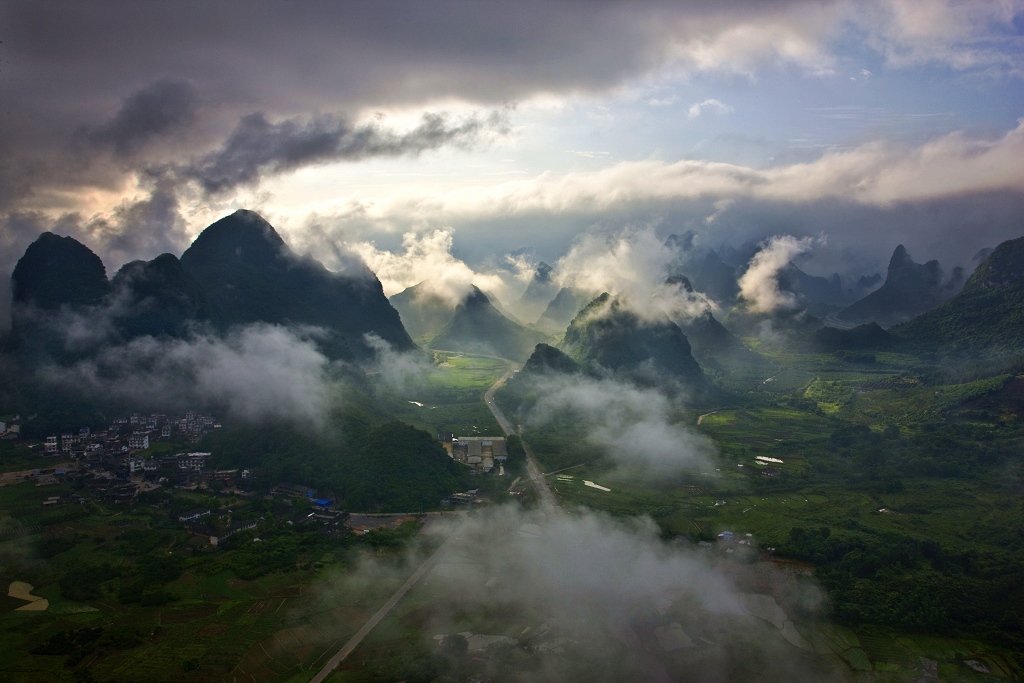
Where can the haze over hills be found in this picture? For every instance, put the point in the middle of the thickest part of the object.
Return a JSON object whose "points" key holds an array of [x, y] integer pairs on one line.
{"points": [[159, 297], [704, 268], [424, 313], [478, 327], [709, 340], [541, 289], [909, 290], [561, 310]]}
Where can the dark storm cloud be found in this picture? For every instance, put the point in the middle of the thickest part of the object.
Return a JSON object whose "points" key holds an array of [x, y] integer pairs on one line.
{"points": [[161, 108], [130, 72], [257, 147]]}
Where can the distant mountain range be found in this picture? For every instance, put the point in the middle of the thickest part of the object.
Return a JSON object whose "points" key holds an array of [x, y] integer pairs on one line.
{"points": [[541, 289], [710, 341], [475, 324], [237, 271], [717, 276], [909, 290], [561, 310]]}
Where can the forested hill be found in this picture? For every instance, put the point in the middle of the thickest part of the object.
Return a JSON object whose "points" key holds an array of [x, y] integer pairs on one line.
{"points": [[609, 335], [987, 313], [388, 467], [249, 274]]}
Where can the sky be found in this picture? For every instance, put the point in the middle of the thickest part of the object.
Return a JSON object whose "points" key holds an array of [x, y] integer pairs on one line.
{"points": [[515, 128]]}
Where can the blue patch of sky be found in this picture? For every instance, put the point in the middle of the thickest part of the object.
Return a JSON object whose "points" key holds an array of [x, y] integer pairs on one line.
{"points": [[781, 116]]}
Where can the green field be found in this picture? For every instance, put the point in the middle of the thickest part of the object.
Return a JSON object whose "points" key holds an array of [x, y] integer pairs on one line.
{"points": [[133, 596], [452, 396]]}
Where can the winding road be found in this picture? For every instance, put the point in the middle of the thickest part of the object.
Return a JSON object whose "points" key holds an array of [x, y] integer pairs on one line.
{"points": [[544, 493]]}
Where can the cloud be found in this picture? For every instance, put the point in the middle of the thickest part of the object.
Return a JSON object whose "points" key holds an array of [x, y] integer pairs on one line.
{"points": [[633, 266], [163, 107], [967, 36], [256, 372], [426, 259], [588, 596], [876, 173], [636, 428], [257, 147], [399, 371], [716, 106], [759, 285]]}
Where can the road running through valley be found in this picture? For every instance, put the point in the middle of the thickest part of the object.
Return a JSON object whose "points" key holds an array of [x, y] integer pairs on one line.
{"points": [[540, 484], [544, 493]]}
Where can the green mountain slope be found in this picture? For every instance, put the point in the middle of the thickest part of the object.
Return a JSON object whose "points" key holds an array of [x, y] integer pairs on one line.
{"points": [[561, 310], [609, 335], [423, 313], [988, 312], [547, 359], [478, 327], [59, 271], [541, 289], [158, 298]]}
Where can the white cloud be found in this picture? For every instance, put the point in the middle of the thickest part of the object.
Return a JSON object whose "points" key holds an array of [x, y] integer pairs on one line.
{"points": [[256, 372], [632, 266], [967, 36], [759, 285], [638, 429], [426, 259], [877, 174], [717, 106]]}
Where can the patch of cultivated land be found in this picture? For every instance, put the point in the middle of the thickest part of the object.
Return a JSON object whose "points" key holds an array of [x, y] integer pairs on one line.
{"points": [[201, 622]]}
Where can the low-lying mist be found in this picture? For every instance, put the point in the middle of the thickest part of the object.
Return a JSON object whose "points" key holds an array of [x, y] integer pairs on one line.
{"points": [[637, 428], [255, 372], [583, 596]]}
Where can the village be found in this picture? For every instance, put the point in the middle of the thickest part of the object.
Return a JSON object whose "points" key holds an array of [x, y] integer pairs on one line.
{"points": [[137, 460]]}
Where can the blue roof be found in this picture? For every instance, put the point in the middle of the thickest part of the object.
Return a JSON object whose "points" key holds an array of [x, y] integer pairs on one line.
{"points": [[324, 502]]}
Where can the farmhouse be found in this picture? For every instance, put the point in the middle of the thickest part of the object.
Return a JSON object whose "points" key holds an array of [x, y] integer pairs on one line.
{"points": [[194, 514]]}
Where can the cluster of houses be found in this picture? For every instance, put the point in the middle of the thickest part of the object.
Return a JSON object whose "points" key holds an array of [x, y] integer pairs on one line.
{"points": [[481, 453], [130, 434]]}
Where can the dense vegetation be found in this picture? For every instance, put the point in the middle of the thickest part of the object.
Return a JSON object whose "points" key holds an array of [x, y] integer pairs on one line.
{"points": [[390, 467]]}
